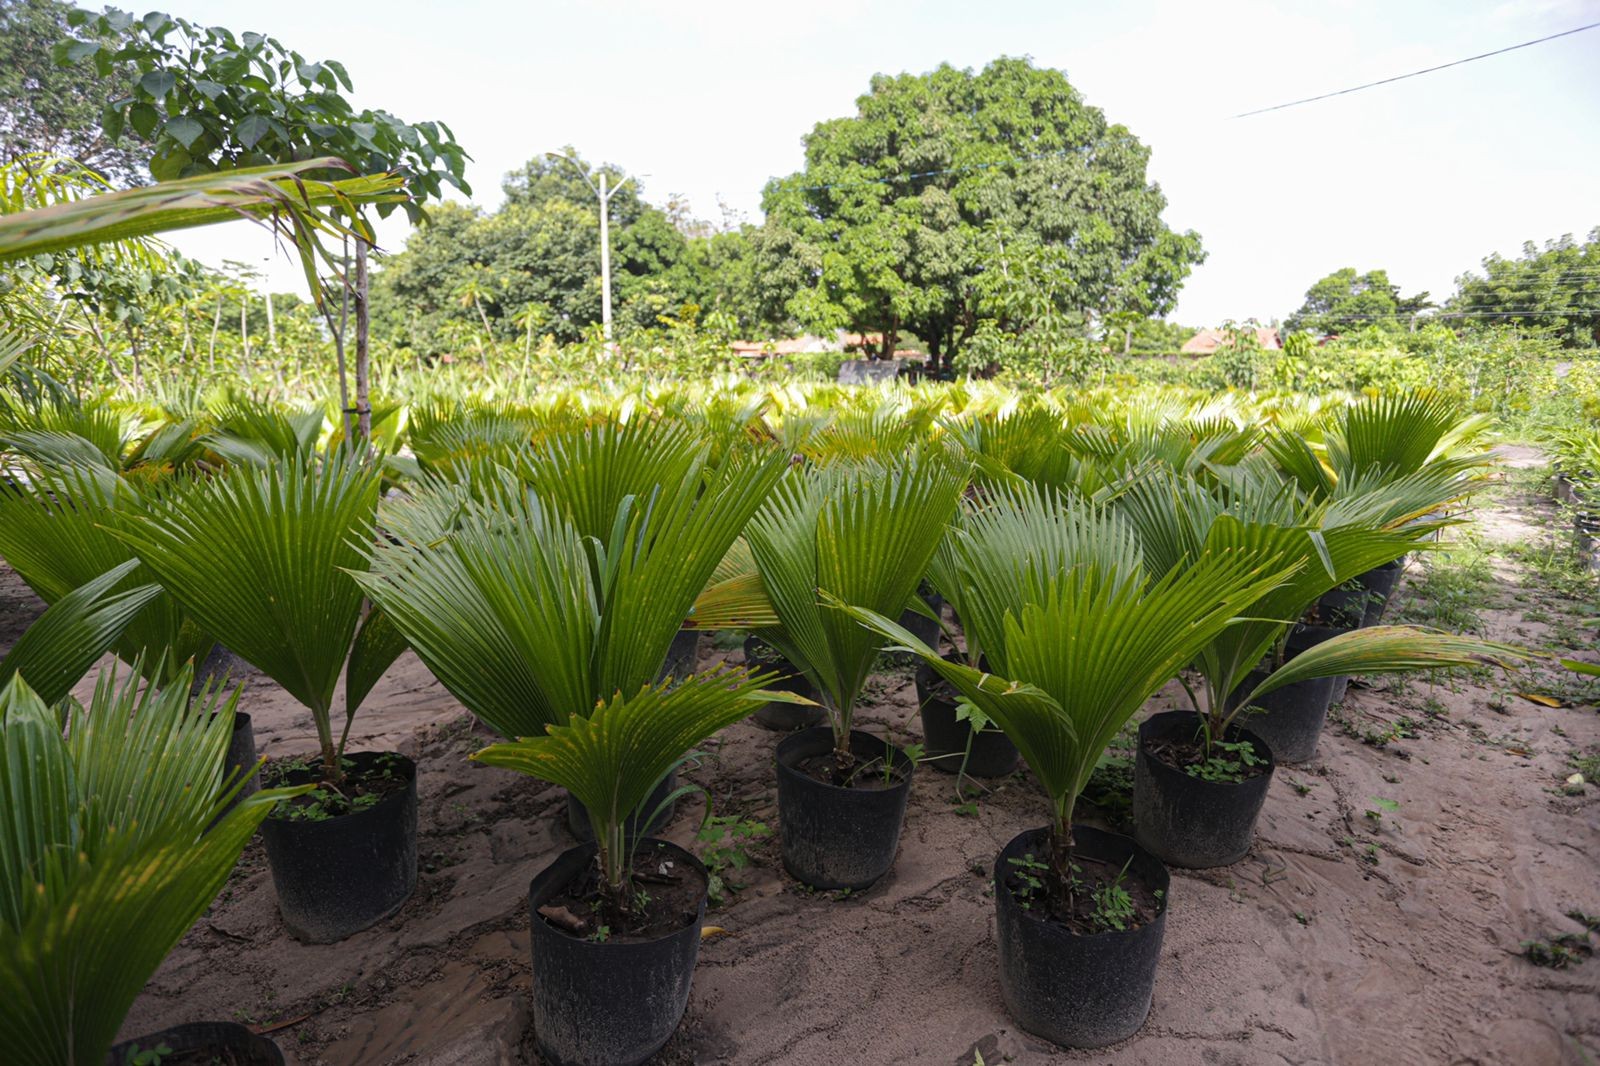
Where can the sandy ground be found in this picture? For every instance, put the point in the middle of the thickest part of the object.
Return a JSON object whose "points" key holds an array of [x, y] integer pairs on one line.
{"points": [[1339, 939]]}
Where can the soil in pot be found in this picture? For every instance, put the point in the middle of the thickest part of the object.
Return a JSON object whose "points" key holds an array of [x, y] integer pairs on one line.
{"points": [[578, 814], [1190, 809], [1080, 973], [203, 1044], [783, 717], [839, 826], [950, 742], [609, 994], [344, 859]]}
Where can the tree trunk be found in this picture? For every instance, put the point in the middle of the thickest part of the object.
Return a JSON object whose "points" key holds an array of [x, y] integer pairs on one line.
{"points": [[363, 355], [216, 325]]}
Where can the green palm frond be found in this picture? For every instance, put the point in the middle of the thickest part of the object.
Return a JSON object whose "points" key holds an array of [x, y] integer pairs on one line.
{"points": [[250, 431], [1387, 649], [116, 842], [74, 632], [532, 604], [56, 535], [278, 194], [503, 610]]}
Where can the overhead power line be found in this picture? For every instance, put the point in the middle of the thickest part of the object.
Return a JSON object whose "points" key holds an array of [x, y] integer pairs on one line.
{"points": [[1417, 73]]}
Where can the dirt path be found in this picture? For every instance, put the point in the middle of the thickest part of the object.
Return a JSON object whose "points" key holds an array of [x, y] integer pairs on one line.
{"points": [[1342, 938]]}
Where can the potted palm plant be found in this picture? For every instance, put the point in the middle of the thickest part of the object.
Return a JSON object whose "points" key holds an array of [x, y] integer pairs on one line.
{"points": [[864, 533], [553, 636], [119, 856], [261, 556], [1200, 778], [1077, 635]]}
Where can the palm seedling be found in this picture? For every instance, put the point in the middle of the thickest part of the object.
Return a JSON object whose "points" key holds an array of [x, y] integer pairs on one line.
{"points": [[1179, 520], [546, 603], [863, 533], [115, 842], [261, 557]]}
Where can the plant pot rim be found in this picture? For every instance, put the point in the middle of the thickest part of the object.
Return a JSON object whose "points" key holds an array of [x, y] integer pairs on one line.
{"points": [[582, 855], [1104, 836], [1236, 732], [805, 738], [388, 800], [241, 1037]]}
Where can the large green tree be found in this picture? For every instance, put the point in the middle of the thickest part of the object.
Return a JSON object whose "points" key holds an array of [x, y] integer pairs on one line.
{"points": [[944, 177], [1346, 301], [1556, 287], [56, 111]]}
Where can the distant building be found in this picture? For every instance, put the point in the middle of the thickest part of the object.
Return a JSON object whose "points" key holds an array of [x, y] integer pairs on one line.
{"points": [[1209, 340], [839, 342]]}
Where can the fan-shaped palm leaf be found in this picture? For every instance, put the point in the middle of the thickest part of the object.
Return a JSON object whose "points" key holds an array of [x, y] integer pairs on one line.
{"points": [[261, 557], [75, 631]]}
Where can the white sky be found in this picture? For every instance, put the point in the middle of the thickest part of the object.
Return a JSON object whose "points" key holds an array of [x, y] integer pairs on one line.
{"points": [[711, 98]]}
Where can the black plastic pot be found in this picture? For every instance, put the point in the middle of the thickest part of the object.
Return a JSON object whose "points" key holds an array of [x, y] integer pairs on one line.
{"points": [[1379, 584], [225, 1041], [341, 875], [835, 837], [783, 717], [920, 626], [242, 754], [610, 1003], [683, 655], [578, 814], [1344, 607], [1076, 989], [1290, 719], [1184, 820], [946, 737]]}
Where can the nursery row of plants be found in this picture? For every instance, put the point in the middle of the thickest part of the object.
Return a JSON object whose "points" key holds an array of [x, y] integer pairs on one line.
{"points": [[1052, 561]]}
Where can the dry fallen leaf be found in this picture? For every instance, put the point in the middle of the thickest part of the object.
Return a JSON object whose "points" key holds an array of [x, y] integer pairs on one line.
{"points": [[1542, 700], [713, 930]]}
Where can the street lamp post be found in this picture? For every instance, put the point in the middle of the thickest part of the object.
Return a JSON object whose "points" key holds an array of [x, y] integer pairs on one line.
{"points": [[604, 192]]}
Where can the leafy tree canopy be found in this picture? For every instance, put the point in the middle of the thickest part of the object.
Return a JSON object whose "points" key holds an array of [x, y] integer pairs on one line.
{"points": [[1345, 301], [1556, 287], [207, 100], [942, 179], [54, 111]]}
